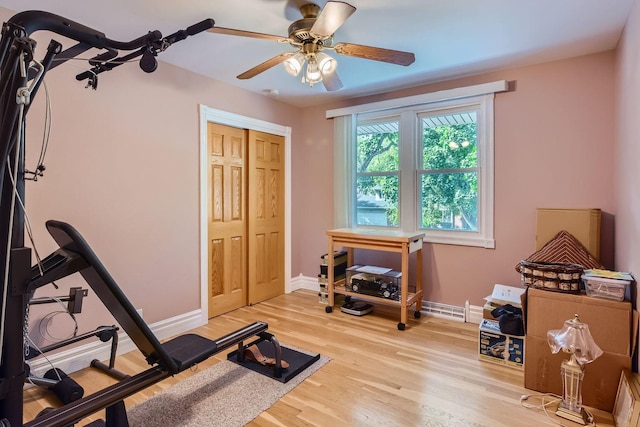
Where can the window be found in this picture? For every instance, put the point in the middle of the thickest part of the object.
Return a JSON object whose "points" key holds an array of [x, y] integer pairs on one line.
{"points": [[422, 166], [448, 176], [377, 173]]}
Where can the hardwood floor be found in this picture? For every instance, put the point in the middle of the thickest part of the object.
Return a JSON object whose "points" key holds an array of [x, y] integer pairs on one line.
{"points": [[427, 375]]}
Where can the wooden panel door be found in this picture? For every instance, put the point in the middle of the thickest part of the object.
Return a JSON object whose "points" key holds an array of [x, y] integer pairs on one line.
{"points": [[266, 216], [226, 218]]}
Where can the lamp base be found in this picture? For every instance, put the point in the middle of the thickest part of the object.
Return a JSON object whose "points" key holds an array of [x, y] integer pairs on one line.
{"points": [[577, 417]]}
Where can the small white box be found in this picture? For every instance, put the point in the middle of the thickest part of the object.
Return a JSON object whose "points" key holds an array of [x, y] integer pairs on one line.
{"points": [[602, 287]]}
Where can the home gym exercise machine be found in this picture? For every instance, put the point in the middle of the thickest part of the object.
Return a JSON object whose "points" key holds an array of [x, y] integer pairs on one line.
{"points": [[21, 75]]}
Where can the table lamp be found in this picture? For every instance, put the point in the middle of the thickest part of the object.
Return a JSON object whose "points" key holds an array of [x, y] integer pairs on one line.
{"points": [[574, 339]]}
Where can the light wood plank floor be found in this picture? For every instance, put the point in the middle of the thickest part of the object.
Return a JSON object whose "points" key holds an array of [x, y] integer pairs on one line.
{"points": [[427, 375]]}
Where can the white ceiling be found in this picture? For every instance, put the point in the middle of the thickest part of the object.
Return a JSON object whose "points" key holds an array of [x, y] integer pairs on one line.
{"points": [[450, 38]]}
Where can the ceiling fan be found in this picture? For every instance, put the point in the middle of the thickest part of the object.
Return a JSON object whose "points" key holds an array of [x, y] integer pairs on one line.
{"points": [[311, 36]]}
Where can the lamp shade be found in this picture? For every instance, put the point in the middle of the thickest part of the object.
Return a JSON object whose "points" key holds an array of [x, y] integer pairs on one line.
{"points": [[574, 338], [326, 64], [294, 64], [313, 74]]}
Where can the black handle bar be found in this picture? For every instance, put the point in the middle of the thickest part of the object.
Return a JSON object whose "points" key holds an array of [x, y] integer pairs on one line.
{"points": [[153, 46], [35, 20]]}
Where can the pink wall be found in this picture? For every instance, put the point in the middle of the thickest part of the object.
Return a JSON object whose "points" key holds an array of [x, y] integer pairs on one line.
{"points": [[123, 168], [553, 148], [627, 150]]}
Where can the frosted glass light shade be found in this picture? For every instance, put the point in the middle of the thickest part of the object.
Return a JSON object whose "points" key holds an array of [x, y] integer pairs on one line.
{"points": [[294, 64], [326, 64], [574, 338], [313, 74]]}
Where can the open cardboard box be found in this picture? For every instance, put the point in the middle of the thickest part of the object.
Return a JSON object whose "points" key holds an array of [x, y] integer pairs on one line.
{"points": [[613, 325], [502, 295]]}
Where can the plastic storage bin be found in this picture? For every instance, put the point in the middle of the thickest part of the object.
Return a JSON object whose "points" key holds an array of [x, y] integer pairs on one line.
{"points": [[386, 285], [601, 287]]}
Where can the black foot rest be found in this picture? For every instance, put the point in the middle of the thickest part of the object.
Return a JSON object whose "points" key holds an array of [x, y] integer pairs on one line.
{"points": [[297, 360]]}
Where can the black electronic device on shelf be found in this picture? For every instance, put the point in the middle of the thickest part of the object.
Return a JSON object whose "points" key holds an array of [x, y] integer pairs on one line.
{"points": [[356, 308]]}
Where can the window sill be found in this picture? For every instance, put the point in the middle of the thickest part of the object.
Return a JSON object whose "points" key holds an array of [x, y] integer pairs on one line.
{"points": [[481, 242]]}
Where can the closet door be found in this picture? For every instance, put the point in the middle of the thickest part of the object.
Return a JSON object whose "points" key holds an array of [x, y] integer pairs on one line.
{"points": [[227, 226], [265, 159]]}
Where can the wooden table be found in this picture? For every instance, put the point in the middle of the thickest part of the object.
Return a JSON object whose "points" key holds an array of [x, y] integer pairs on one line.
{"points": [[378, 240]]}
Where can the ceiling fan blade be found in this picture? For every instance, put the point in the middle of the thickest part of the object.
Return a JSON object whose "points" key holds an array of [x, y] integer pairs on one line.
{"points": [[331, 81], [331, 18], [265, 65], [375, 53], [242, 33]]}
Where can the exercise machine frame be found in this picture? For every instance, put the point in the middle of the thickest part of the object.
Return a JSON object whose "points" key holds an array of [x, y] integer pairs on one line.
{"points": [[55, 379], [19, 83]]}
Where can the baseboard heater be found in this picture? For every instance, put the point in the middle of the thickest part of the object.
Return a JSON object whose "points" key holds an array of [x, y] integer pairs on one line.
{"points": [[446, 311]]}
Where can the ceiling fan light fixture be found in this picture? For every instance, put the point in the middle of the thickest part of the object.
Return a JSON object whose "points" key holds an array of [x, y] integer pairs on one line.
{"points": [[294, 64], [313, 74], [326, 64]]}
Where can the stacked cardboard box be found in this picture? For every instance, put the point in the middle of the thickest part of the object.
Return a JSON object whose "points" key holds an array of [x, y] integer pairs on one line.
{"points": [[494, 345], [583, 224], [612, 327]]}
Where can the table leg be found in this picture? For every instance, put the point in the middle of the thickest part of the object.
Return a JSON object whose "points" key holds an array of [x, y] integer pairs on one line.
{"points": [[419, 279], [330, 277], [404, 288]]}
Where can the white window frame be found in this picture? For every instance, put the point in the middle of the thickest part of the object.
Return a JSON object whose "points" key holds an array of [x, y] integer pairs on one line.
{"points": [[353, 174], [478, 97]]}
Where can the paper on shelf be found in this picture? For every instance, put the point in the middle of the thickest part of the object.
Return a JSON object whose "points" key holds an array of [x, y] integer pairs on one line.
{"points": [[373, 269]]}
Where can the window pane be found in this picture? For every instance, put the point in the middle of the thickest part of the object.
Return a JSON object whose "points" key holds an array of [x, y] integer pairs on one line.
{"points": [[449, 201], [377, 202], [450, 141], [377, 147]]}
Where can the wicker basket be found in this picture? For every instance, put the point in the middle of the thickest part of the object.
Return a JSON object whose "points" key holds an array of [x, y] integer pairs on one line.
{"points": [[560, 277]]}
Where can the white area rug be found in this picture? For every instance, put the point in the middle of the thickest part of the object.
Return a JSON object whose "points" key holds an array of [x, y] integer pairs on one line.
{"points": [[225, 395]]}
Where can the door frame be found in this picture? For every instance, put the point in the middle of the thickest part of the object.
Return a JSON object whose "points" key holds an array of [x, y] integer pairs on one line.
{"points": [[208, 114]]}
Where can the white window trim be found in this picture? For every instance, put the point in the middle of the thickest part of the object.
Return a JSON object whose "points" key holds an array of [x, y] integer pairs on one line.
{"points": [[344, 129], [425, 98]]}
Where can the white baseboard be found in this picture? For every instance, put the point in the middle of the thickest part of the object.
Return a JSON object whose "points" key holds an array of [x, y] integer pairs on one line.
{"points": [[305, 282], [468, 313], [474, 313], [80, 357]]}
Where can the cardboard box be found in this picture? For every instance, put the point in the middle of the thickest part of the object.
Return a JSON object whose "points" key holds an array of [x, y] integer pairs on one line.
{"points": [[583, 224], [487, 309], [610, 322], [601, 377], [496, 347], [612, 325], [502, 295]]}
